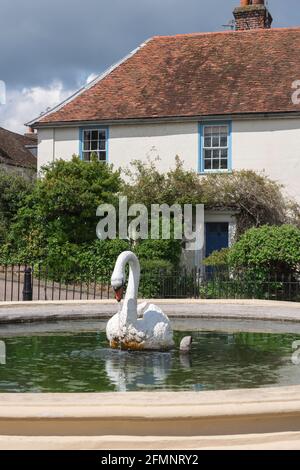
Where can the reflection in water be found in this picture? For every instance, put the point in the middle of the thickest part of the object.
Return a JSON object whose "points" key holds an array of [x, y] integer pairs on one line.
{"points": [[130, 370], [185, 361], [82, 362]]}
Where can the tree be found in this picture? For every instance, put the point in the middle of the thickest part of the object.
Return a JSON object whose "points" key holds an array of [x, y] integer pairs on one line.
{"points": [[254, 198], [61, 210], [13, 191], [56, 225], [274, 249], [147, 185]]}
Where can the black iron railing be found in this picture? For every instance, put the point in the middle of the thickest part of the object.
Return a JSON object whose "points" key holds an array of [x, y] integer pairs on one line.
{"points": [[27, 283], [24, 282]]}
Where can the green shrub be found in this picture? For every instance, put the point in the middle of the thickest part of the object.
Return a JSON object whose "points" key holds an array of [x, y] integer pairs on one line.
{"points": [[98, 258], [262, 264], [13, 191], [59, 214], [256, 199], [272, 248], [165, 250], [151, 277], [217, 258], [87, 262]]}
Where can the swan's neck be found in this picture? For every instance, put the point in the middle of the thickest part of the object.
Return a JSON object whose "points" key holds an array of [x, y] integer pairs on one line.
{"points": [[128, 312], [133, 279]]}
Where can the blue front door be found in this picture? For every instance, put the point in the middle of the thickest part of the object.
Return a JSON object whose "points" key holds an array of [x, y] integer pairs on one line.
{"points": [[216, 237]]}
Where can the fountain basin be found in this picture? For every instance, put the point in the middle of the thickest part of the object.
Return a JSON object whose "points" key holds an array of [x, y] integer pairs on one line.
{"points": [[243, 418]]}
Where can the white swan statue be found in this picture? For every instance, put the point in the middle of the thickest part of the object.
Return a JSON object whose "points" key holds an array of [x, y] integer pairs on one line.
{"points": [[133, 327]]}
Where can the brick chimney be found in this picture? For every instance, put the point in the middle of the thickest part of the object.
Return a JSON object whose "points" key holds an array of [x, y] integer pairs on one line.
{"points": [[252, 14]]}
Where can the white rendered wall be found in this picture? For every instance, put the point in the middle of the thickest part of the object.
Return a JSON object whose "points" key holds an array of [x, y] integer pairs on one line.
{"points": [[127, 143], [152, 141], [45, 147], [272, 146], [57, 143]]}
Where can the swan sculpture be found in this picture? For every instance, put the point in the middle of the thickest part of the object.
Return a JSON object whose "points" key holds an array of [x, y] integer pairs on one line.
{"points": [[133, 327]]}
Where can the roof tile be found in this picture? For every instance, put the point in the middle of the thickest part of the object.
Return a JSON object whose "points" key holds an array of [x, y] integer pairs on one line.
{"points": [[13, 149], [199, 74]]}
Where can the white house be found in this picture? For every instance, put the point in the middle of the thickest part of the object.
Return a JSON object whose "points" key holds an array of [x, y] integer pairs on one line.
{"points": [[220, 101]]}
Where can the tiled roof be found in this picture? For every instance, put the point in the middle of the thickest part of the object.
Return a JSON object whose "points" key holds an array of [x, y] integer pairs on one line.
{"points": [[201, 74], [14, 151]]}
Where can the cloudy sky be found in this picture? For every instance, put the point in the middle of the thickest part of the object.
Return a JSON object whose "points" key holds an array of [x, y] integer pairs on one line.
{"points": [[49, 48]]}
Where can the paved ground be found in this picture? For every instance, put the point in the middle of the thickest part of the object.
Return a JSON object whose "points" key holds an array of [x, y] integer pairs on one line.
{"points": [[11, 289]]}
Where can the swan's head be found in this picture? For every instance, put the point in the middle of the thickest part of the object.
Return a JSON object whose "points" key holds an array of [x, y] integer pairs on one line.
{"points": [[118, 279], [118, 284]]}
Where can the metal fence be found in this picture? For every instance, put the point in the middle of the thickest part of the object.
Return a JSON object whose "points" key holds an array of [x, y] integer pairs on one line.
{"points": [[18, 283], [228, 284], [28, 283]]}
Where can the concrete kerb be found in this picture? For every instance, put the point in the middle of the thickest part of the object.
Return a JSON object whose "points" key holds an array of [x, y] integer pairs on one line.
{"points": [[198, 419], [21, 312]]}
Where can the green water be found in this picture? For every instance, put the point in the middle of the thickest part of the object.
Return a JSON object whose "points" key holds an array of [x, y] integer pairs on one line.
{"points": [[83, 363]]}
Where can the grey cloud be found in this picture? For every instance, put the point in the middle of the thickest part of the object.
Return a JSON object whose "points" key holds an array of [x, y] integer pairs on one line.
{"points": [[43, 40]]}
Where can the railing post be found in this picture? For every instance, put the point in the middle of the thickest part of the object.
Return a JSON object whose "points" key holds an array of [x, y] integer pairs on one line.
{"points": [[27, 286]]}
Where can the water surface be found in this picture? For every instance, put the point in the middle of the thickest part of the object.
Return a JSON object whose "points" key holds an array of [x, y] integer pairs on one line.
{"points": [[82, 362]]}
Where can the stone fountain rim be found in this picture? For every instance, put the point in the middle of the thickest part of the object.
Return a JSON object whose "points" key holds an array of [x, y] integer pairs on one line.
{"points": [[45, 311], [260, 418]]}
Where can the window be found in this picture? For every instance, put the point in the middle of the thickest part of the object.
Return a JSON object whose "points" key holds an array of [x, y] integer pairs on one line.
{"points": [[94, 141], [215, 148]]}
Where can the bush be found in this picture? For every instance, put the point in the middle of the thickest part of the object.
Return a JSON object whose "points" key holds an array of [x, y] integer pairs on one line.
{"points": [[255, 198], [272, 248], [60, 212], [217, 258], [264, 263], [151, 280], [98, 258], [164, 250], [13, 192], [87, 262]]}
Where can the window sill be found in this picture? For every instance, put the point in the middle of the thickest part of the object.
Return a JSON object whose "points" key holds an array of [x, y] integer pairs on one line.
{"points": [[89, 161], [209, 172]]}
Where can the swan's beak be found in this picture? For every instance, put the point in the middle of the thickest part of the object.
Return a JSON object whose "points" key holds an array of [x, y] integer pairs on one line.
{"points": [[119, 293]]}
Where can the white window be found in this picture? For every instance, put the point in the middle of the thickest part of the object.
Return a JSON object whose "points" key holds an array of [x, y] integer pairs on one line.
{"points": [[94, 143], [215, 148]]}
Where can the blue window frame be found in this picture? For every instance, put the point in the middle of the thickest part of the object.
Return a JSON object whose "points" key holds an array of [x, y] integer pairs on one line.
{"points": [[93, 140], [215, 142]]}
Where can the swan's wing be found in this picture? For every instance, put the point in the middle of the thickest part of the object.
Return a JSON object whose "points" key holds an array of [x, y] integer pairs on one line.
{"points": [[154, 308], [141, 308], [155, 314]]}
